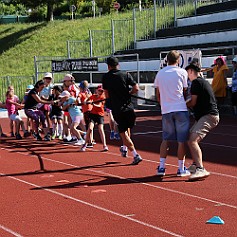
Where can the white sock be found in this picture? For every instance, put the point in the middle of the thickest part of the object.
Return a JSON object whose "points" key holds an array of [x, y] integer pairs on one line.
{"points": [[162, 162], [60, 129], [125, 148], [181, 164], [134, 153]]}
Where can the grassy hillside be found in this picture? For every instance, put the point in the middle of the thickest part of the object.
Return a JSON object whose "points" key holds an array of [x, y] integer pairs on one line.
{"points": [[19, 43]]}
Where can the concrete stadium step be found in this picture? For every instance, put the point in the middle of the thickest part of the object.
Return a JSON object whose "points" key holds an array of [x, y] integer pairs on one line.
{"points": [[198, 29], [218, 7]]}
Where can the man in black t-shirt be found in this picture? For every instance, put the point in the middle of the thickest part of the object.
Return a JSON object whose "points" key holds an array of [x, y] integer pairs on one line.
{"points": [[116, 85], [206, 114]]}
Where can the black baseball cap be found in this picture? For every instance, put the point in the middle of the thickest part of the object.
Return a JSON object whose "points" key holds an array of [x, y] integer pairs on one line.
{"points": [[112, 61], [195, 66]]}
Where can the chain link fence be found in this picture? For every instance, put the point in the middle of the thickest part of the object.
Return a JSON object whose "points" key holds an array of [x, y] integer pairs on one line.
{"points": [[18, 82]]}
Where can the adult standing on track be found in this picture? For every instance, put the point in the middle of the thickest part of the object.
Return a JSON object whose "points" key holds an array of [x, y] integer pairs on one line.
{"points": [[206, 115], [116, 86], [170, 84]]}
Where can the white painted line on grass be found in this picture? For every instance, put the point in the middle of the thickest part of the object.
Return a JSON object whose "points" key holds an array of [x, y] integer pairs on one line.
{"points": [[10, 231], [96, 207]]}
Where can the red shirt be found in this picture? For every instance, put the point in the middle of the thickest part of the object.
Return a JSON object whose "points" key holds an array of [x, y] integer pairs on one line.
{"points": [[98, 109], [86, 107]]}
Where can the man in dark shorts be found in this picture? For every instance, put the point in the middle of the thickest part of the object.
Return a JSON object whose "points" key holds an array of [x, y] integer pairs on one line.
{"points": [[206, 114], [116, 86]]}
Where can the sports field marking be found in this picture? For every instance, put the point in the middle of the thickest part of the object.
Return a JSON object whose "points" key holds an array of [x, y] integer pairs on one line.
{"points": [[150, 185], [219, 145], [144, 133], [10, 231], [96, 206]]}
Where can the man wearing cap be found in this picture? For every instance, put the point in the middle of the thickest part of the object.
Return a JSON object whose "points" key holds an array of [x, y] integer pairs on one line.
{"points": [[206, 115], [234, 86], [116, 85]]}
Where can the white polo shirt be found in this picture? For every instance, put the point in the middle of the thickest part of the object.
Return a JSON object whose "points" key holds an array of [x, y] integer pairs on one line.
{"points": [[171, 81]]}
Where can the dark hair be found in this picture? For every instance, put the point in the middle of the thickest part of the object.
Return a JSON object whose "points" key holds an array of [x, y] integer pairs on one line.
{"points": [[112, 61], [173, 56], [38, 84], [194, 66], [58, 88]]}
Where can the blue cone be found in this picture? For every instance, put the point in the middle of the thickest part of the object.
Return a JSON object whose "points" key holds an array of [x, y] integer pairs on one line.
{"points": [[215, 220]]}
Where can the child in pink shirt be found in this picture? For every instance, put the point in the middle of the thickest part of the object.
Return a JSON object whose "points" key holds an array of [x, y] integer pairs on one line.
{"points": [[12, 107]]}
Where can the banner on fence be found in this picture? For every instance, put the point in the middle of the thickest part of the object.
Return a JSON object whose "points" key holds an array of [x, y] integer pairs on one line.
{"points": [[186, 57], [80, 64]]}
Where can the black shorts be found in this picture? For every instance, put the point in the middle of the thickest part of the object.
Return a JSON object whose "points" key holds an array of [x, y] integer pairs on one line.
{"points": [[234, 98], [125, 120], [95, 118]]}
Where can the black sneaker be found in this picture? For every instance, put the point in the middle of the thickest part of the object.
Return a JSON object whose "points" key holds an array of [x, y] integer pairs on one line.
{"points": [[3, 135], [12, 134], [89, 145], [47, 138], [137, 160], [38, 137], [26, 134], [18, 137]]}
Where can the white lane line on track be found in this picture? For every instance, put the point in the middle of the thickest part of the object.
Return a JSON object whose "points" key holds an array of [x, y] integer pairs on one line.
{"points": [[144, 133], [10, 231], [150, 185], [97, 207], [154, 186], [150, 161]]}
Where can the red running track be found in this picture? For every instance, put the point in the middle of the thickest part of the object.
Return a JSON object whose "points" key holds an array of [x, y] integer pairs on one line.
{"points": [[53, 189]]}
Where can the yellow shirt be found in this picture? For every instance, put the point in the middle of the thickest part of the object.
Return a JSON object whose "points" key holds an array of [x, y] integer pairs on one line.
{"points": [[219, 83]]}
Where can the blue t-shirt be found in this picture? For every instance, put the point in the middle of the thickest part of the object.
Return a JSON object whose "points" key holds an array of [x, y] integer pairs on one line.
{"points": [[73, 110], [234, 82]]}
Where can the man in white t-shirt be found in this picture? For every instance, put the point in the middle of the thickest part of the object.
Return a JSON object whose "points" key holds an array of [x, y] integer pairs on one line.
{"points": [[170, 84]]}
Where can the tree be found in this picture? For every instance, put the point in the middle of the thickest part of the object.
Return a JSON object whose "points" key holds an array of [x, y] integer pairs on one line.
{"points": [[50, 4]]}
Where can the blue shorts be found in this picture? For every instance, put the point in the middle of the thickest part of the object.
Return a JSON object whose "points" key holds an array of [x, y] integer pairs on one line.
{"points": [[175, 126]]}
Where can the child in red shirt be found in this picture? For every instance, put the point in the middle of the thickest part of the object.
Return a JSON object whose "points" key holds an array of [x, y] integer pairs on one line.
{"points": [[97, 117]]}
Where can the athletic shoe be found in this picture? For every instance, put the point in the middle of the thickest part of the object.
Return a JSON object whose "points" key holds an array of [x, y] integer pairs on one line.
{"points": [[105, 148], [137, 160], [200, 173], [26, 134], [73, 140], [60, 137], [34, 134], [111, 137], [38, 137], [47, 138], [83, 148], [12, 134], [79, 142], [89, 145], [183, 173], [160, 171], [3, 135], [192, 168], [116, 136], [18, 137], [124, 153], [53, 136]]}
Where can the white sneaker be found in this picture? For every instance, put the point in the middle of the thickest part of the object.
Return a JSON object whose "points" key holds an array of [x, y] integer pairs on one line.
{"points": [[183, 173], [80, 142], [200, 173]]}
